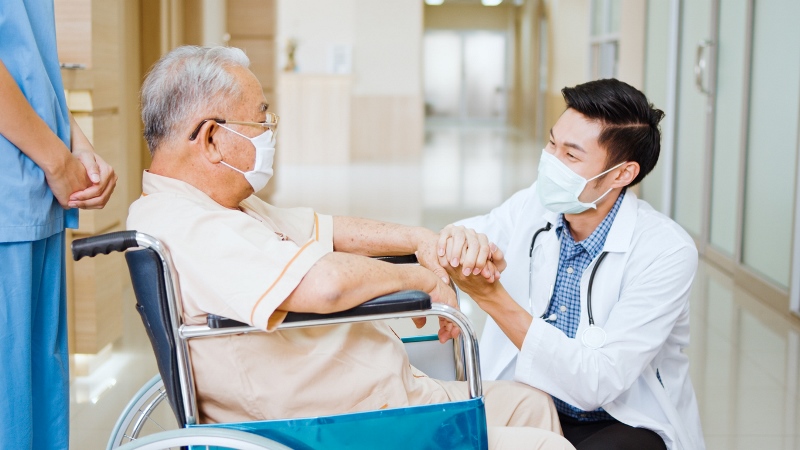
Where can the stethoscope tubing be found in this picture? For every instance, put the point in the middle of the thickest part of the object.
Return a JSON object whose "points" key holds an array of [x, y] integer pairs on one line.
{"points": [[596, 337]]}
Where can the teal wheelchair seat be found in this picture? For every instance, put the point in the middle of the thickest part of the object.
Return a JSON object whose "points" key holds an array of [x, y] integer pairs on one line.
{"points": [[454, 425]]}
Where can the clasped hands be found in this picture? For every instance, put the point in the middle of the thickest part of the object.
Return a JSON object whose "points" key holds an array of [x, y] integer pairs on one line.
{"points": [[82, 180], [468, 258]]}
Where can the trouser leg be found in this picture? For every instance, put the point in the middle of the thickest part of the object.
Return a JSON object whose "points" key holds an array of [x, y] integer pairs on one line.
{"points": [[518, 415], [34, 369], [50, 355], [610, 435]]}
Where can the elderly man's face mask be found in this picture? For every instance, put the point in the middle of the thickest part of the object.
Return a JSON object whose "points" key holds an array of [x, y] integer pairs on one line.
{"points": [[264, 144], [265, 155]]}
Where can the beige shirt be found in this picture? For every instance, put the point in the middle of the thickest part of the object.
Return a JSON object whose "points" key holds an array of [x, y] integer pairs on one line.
{"points": [[243, 264]]}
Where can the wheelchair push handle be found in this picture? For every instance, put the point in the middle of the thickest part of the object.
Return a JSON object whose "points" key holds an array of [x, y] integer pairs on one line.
{"points": [[105, 243]]}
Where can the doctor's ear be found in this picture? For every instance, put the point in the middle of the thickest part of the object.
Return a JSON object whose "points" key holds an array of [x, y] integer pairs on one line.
{"points": [[626, 174]]}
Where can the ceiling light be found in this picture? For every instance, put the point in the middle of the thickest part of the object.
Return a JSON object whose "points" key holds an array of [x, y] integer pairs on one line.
{"points": [[491, 2], [434, 2]]}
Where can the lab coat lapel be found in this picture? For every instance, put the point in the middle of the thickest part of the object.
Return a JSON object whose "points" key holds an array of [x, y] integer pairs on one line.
{"points": [[621, 232]]}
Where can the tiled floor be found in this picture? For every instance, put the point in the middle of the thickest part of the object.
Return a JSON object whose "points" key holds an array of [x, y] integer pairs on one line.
{"points": [[745, 356]]}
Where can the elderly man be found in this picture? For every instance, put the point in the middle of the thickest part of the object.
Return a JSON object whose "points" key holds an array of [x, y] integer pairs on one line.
{"points": [[211, 137]]}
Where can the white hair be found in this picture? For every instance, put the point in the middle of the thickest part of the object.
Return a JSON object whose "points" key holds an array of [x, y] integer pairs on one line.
{"points": [[183, 83]]}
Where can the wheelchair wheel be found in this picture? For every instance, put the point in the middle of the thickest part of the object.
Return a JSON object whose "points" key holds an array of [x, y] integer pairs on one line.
{"points": [[147, 413], [204, 438]]}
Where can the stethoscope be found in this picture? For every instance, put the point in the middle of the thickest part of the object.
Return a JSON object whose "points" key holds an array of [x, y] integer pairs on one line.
{"points": [[593, 336]]}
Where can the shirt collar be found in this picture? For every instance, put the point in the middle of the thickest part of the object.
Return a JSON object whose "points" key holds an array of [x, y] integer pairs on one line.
{"points": [[594, 243], [159, 184]]}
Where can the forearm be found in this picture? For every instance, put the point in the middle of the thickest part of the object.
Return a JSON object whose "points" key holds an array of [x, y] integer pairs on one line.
{"points": [[512, 319], [25, 129], [374, 238], [337, 282], [79, 140]]}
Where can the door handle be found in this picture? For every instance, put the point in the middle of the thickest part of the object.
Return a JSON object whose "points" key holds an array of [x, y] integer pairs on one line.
{"points": [[700, 65]]}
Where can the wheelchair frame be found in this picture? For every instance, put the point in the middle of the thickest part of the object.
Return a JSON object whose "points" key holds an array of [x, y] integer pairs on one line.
{"points": [[181, 333]]}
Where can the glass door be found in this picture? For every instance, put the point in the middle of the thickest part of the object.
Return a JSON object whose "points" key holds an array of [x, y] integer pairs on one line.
{"points": [[772, 141], [692, 117], [465, 74], [729, 125]]}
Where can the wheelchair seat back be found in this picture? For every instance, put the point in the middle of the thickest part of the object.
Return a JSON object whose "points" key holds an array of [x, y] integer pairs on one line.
{"points": [[147, 275]]}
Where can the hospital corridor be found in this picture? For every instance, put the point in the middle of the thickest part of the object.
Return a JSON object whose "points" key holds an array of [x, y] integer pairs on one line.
{"points": [[646, 135]]}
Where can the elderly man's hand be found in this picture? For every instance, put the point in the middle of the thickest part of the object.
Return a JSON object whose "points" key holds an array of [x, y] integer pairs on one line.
{"points": [[442, 293], [464, 247]]}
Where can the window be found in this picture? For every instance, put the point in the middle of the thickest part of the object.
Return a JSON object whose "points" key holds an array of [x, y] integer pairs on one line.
{"points": [[604, 39]]}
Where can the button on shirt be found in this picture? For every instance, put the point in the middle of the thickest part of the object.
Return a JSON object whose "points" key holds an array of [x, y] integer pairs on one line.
{"points": [[565, 304]]}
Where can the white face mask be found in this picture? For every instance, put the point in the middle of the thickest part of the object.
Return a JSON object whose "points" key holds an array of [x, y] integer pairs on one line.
{"points": [[559, 188], [265, 154]]}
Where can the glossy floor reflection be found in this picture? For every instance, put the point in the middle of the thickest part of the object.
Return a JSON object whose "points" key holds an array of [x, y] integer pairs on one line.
{"points": [[745, 356]]}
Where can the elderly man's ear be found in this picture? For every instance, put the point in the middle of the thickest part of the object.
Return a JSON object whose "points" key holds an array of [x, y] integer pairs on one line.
{"points": [[206, 142]]}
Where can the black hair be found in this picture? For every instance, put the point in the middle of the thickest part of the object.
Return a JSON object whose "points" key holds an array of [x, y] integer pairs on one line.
{"points": [[630, 130]]}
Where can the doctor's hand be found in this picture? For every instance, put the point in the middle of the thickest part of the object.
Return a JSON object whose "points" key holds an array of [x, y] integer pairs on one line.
{"points": [[477, 288], [464, 247], [103, 179], [442, 293]]}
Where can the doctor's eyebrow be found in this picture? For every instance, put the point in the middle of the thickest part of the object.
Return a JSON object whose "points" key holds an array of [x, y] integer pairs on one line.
{"points": [[567, 144]]}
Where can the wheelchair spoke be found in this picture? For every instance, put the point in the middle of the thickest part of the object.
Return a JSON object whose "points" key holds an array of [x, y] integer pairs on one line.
{"points": [[157, 424]]}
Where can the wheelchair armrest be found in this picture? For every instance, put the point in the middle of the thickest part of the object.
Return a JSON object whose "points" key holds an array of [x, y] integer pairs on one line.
{"points": [[392, 303], [403, 259]]}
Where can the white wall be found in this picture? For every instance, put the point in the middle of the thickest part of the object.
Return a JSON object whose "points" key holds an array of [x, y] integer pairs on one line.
{"points": [[316, 25], [385, 38], [388, 52]]}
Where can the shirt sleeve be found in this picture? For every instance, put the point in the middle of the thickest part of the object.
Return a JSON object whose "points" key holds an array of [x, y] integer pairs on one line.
{"points": [[230, 264]]}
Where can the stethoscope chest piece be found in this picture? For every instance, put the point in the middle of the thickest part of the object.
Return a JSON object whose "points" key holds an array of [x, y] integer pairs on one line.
{"points": [[593, 337]]}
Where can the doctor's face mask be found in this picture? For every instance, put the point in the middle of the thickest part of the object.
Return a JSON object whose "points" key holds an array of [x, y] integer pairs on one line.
{"points": [[265, 154], [559, 188]]}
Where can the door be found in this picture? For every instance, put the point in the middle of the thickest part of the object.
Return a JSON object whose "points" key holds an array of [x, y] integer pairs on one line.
{"points": [[465, 74], [692, 116]]}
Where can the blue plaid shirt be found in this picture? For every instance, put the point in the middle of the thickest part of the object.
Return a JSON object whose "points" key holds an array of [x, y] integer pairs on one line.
{"points": [[574, 258]]}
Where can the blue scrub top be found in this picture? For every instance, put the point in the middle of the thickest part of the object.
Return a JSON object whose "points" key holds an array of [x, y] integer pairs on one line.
{"points": [[28, 209]]}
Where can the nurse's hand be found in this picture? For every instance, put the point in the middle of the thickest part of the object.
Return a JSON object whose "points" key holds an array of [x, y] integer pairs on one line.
{"points": [[475, 287], [65, 177], [103, 178], [464, 247]]}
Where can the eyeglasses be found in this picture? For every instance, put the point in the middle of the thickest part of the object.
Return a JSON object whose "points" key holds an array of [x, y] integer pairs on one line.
{"points": [[271, 122]]}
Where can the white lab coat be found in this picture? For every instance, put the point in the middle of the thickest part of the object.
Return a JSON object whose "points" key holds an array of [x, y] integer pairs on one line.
{"points": [[640, 298]]}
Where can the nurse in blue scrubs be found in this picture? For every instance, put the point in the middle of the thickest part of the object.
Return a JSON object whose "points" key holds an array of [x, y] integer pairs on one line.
{"points": [[47, 169]]}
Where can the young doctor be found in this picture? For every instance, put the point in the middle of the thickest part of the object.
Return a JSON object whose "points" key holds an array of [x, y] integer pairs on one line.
{"points": [[593, 306]]}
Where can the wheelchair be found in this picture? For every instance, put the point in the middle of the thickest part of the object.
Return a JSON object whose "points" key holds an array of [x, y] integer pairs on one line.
{"points": [[459, 424]]}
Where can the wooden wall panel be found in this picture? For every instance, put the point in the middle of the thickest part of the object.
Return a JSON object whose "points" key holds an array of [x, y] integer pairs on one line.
{"points": [[90, 32], [251, 18], [74, 31], [262, 59], [387, 128], [97, 302], [315, 118]]}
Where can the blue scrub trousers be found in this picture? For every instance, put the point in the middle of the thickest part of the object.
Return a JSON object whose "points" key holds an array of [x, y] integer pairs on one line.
{"points": [[34, 364]]}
